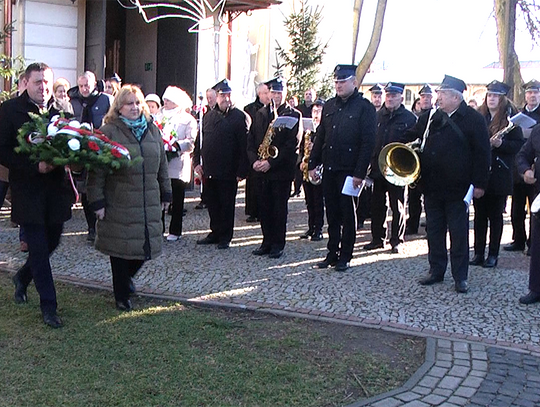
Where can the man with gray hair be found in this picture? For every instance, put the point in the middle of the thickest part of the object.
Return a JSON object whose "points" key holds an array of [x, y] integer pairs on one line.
{"points": [[454, 159]]}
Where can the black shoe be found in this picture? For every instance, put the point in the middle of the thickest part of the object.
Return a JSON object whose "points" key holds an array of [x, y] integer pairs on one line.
{"points": [[52, 320], [328, 261], [396, 249], [410, 231], [317, 237], [124, 305], [261, 251], [200, 205], [341, 265], [530, 298], [20, 291], [431, 279], [374, 245], [252, 219], [528, 251], [132, 288], [462, 286], [207, 240], [91, 235], [223, 245], [275, 254], [360, 225], [514, 247], [490, 262], [477, 260], [307, 235]]}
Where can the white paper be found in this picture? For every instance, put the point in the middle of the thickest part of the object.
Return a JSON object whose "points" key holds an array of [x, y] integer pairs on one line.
{"points": [[307, 123], [535, 206], [285, 121], [349, 189], [469, 195], [523, 121]]}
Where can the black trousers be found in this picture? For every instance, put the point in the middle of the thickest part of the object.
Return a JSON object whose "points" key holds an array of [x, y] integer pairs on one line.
{"points": [[252, 207], [522, 192], [488, 208], [298, 181], [442, 216], [42, 241], [340, 215], [414, 200], [221, 199], [315, 206], [89, 214], [534, 270], [122, 271], [273, 198], [179, 193], [379, 209]]}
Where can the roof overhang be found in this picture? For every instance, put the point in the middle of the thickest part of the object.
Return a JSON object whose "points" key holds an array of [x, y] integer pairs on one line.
{"points": [[247, 5]]}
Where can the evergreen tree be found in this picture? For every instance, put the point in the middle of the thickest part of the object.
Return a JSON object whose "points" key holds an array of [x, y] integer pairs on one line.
{"points": [[10, 67], [304, 58]]}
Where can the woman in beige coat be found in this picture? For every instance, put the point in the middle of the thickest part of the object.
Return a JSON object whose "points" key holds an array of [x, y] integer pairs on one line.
{"points": [[129, 201]]}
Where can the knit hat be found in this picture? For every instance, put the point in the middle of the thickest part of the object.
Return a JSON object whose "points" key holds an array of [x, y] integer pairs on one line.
{"points": [[152, 97]]}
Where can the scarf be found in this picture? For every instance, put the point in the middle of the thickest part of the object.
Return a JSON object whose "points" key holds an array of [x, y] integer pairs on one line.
{"points": [[137, 127]]}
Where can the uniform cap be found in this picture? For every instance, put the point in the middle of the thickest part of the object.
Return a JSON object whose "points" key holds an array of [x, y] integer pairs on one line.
{"points": [[449, 82], [532, 85], [222, 87], [344, 72], [394, 87], [276, 84], [497, 88], [426, 90], [376, 88]]}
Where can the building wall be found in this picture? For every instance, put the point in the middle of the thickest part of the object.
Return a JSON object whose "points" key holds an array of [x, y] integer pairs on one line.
{"points": [[51, 31]]}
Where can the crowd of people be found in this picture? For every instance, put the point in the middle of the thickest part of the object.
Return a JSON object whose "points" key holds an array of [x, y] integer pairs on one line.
{"points": [[466, 155]]}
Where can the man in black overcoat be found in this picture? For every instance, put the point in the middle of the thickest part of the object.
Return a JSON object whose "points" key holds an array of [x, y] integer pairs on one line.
{"points": [[276, 173], [343, 144], [455, 158], [224, 163], [41, 195]]}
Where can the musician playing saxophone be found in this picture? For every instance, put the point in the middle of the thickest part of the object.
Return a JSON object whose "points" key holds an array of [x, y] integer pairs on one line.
{"points": [[275, 161], [313, 193], [506, 140]]}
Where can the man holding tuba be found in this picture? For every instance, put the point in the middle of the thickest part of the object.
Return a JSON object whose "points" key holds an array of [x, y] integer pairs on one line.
{"points": [[393, 120], [272, 150], [456, 156], [343, 143]]}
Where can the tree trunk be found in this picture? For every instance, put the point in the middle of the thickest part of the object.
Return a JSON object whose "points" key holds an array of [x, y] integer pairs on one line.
{"points": [[373, 46], [505, 16], [357, 12]]}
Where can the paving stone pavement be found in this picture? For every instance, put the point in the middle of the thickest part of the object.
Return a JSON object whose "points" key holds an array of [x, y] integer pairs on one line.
{"points": [[482, 343]]}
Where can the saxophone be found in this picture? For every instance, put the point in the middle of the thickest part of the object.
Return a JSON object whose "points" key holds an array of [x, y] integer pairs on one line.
{"points": [[307, 152], [266, 149]]}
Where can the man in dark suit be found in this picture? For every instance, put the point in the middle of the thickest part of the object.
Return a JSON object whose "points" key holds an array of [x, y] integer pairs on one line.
{"points": [[343, 144], [41, 196], [393, 120], [276, 171], [455, 157], [224, 163]]}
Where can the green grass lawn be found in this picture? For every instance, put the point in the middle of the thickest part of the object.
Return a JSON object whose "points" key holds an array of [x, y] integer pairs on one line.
{"points": [[167, 354]]}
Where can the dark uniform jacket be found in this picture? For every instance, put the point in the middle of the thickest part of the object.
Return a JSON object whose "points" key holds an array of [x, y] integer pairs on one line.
{"points": [[305, 110], [286, 140], [37, 198], [345, 138], [451, 162], [529, 154], [391, 127], [224, 144], [535, 114], [502, 162], [253, 107]]}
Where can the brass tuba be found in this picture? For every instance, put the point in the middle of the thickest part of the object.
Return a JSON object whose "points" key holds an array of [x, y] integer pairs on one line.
{"points": [[266, 149], [399, 163]]}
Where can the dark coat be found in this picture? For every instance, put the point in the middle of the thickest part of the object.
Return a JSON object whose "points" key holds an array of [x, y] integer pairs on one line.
{"points": [[346, 136], [529, 155], [502, 163], [286, 140], [97, 105], [305, 110], [132, 196], [450, 163], [391, 128], [252, 108], [535, 114], [37, 198], [223, 152]]}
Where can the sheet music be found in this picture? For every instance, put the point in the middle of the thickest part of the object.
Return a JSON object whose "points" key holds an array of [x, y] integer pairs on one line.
{"points": [[349, 189], [469, 195], [285, 121], [523, 121], [307, 123]]}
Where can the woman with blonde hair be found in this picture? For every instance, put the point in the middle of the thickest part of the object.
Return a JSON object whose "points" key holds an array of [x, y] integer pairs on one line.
{"points": [[60, 99], [129, 201], [180, 130]]}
